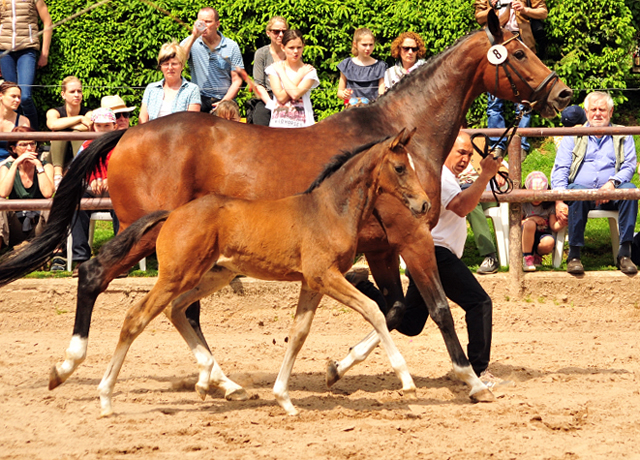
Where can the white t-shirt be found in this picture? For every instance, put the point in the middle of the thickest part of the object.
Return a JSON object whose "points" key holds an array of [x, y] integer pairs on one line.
{"points": [[292, 114], [451, 230]]}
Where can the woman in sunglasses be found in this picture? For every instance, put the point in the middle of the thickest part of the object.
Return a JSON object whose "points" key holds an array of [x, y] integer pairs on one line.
{"points": [[408, 48], [24, 176], [263, 58], [72, 116], [173, 93], [361, 76]]}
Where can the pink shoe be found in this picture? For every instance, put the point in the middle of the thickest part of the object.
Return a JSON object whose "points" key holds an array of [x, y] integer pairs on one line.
{"points": [[529, 265]]}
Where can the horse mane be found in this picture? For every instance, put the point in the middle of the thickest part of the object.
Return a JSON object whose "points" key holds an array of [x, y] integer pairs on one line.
{"points": [[427, 68], [338, 161]]}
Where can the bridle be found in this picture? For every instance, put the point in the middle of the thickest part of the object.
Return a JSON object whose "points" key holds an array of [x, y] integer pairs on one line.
{"points": [[551, 79]]}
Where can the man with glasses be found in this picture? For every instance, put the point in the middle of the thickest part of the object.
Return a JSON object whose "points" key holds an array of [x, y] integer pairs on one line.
{"points": [[212, 60], [120, 110], [515, 16]]}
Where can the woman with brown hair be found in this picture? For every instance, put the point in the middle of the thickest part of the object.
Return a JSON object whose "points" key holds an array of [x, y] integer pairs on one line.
{"points": [[23, 177], [409, 50], [10, 94]]}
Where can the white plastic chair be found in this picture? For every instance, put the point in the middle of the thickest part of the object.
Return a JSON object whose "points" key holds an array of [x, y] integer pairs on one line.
{"points": [[500, 217], [558, 250], [95, 216]]}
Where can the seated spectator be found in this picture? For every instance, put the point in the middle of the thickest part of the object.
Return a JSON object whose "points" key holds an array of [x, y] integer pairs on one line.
{"points": [[228, 110], [23, 177], [596, 162], [571, 116], [263, 58], [409, 50], [361, 76], [103, 120], [120, 110], [72, 116], [173, 93], [538, 224], [9, 118]]}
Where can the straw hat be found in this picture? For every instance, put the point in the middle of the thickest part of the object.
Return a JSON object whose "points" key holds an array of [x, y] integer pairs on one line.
{"points": [[116, 104]]}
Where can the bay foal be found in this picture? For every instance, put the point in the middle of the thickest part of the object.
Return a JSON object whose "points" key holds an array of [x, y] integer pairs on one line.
{"points": [[310, 237]]}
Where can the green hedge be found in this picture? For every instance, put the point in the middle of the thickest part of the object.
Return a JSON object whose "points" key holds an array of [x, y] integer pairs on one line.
{"points": [[113, 48]]}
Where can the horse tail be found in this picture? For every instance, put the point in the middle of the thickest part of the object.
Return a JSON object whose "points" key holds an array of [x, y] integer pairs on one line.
{"points": [[65, 202], [119, 247]]}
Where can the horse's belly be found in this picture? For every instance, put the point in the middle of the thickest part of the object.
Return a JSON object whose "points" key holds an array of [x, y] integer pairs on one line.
{"points": [[263, 270]]}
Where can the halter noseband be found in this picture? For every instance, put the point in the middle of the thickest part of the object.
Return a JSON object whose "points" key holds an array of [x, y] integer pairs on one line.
{"points": [[506, 65]]}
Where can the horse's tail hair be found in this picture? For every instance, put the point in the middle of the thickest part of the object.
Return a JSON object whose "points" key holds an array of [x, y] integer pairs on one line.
{"points": [[117, 249], [65, 202]]}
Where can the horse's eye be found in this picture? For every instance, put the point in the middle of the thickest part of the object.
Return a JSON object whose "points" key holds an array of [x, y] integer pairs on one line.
{"points": [[519, 54], [400, 169]]}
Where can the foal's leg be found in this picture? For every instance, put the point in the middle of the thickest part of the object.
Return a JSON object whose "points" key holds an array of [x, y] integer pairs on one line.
{"points": [[340, 289], [93, 278], [137, 318], [307, 305], [210, 370]]}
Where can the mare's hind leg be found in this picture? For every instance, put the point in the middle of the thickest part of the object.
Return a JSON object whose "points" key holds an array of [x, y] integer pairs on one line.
{"points": [[307, 305], [93, 278], [340, 289], [210, 370], [137, 318]]}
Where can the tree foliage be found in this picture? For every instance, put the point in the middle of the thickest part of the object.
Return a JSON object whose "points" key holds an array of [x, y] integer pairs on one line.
{"points": [[113, 48]]}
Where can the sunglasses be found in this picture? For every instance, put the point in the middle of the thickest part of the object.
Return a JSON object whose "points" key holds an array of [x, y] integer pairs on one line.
{"points": [[122, 114], [410, 48], [278, 31]]}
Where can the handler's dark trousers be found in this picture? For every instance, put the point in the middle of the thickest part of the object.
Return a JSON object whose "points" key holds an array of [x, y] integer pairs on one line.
{"points": [[461, 287], [578, 211]]}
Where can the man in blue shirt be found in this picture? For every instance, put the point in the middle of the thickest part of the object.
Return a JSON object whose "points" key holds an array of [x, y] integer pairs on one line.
{"points": [[212, 60], [596, 162]]}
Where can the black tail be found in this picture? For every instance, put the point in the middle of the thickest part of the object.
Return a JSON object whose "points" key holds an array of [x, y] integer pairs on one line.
{"points": [[67, 199], [117, 249]]}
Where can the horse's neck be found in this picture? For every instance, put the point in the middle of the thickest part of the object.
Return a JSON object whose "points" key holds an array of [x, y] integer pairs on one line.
{"points": [[349, 192]]}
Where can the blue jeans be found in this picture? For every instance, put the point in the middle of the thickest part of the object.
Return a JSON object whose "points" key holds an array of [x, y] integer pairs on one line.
{"points": [[20, 67], [578, 210], [495, 110]]}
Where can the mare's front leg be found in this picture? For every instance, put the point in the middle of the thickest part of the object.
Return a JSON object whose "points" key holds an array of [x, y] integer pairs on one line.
{"points": [[93, 278], [337, 287], [210, 370], [305, 311]]}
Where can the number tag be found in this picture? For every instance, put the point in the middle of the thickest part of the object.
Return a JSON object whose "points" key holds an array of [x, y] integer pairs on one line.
{"points": [[497, 54]]}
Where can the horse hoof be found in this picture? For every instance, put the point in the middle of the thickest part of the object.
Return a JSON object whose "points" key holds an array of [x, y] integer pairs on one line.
{"points": [[237, 395], [410, 393], [54, 378], [106, 413], [332, 373], [202, 391], [483, 396]]}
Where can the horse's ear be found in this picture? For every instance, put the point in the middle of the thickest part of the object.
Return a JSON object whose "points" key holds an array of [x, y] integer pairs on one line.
{"points": [[403, 138], [493, 23]]}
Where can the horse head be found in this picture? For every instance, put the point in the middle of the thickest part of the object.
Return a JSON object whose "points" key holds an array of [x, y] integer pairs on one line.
{"points": [[515, 73], [398, 175]]}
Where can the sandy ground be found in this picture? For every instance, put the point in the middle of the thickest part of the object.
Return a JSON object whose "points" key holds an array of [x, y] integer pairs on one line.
{"points": [[571, 348]]}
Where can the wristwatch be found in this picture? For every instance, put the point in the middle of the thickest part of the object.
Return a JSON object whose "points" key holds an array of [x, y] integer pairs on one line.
{"points": [[615, 182], [39, 169]]}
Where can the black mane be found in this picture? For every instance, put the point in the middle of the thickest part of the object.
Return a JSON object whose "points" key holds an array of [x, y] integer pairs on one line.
{"points": [[338, 161]]}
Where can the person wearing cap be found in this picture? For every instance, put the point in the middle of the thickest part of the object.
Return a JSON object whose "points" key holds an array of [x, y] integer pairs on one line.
{"points": [[173, 93], [602, 162], [574, 115], [213, 59], [119, 109], [103, 120], [538, 224]]}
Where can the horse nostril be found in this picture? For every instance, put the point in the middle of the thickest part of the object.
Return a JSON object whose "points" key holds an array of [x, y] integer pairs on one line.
{"points": [[566, 93], [425, 207]]}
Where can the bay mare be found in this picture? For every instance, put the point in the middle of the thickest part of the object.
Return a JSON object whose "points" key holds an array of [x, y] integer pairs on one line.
{"points": [[172, 160], [310, 238]]}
